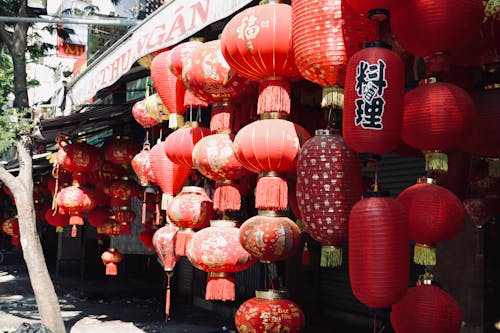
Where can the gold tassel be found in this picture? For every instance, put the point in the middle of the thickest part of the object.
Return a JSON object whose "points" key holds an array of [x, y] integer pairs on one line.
{"points": [[332, 96], [436, 161], [424, 254], [331, 256], [494, 167]]}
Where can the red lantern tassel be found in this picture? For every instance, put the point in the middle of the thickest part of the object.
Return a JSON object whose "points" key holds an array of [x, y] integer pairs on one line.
{"points": [[220, 287], [306, 256], [111, 269], [222, 118], [143, 220], [271, 193], [167, 298], [181, 240], [227, 196], [274, 96], [74, 231]]}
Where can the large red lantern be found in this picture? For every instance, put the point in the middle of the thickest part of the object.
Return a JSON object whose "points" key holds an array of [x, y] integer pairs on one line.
{"points": [[426, 308], [142, 166], [190, 209], [75, 200], [270, 238], [142, 116], [55, 219], [217, 250], [179, 144], [120, 150], [11, 228], [436, 116], [110, 258], [269, 311], [257, 44], [435, 215], [378, 250], [326, 33], [78, 157], [373, 100], [270, 148], [374, 6], [328, 186]]}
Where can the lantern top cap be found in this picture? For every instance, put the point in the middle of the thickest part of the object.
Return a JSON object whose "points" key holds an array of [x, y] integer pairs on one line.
{"points": [[377, 44], [192, 189], [426, 180], [271, 294], [323, 132], [379, 14], [222, 223], [379, 194]]}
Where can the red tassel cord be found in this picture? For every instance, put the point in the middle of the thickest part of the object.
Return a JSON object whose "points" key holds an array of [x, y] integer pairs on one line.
{"points": [[227, 196], [143, 220], [271, 193], [274, 96], [220, 286], [167, 298], [306, 256], [181, 240]]}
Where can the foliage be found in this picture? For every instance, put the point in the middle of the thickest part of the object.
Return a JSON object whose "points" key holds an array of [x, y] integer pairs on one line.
{"points": [[6, 75], [13, 122]]}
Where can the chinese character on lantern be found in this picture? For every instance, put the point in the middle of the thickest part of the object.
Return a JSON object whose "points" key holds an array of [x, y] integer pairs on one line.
{"points": [[370, 86]]}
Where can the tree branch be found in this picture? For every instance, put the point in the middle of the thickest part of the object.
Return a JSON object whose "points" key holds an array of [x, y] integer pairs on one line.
{"points": [[5, 36], [8, 179], [23, 145]]}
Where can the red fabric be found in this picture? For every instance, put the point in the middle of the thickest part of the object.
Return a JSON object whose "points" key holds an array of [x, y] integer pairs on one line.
{"points": [[269, 315], [142, 116], [325, 38], [79, 157], [424, 27], [328, 186], [169, 87], [363, 6], [180, 143], [120, 151], [426, 308], [436, 116], [142, 167], [97, 216], [191, 208], [378, 251], [270, 239], [383, 134], [164, 243], [434, 213]]}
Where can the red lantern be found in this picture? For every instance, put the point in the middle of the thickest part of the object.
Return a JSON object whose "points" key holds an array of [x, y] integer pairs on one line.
{"points": [[146, 237], [378, 250], [270, 238], [257, 45], [78, 157], [325, 35], [170, 88], [142, 166], [56, 220], [436, 116], [270, 148], [269, 311], [75, 200], [426, 308], [110, 227], [475, 206], [179, 144], [106, 173], [123, 188], [124, 215], [110, 258], [120, 150], [142, 116], [214, 158], [373, 100], [328, 186], [217, 250], [98, 215], [434, 215], [374, 6], [190, 209], [11, 228]]}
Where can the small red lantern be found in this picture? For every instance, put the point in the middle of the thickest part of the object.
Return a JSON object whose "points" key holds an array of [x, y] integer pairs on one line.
{"points": [[217, 250], [11, 228], [270, 238], [142, 166], [475, 206], [426, 308], [120, 150], [146, 237], [78, 157], [109, 227], [75, 200], [123, 189], [269, 311], [256, 43], [378, 250], [142, 116], [270, 148], [179, 144], [328, 186], [124, 215], [436, 116], [110, 258], [435, 215], [190, 209], [373, 100], [106, 173], [56, 220], [214, 158]]}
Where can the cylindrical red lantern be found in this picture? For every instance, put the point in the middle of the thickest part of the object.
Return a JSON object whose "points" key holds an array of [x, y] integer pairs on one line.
{"points": [[436, 116], [426, 308], [56, 220], [435, 215], [214, 158], [268, 312], [257, 44], [110, 258], [190, 209], [75, 200], [373, 100], [179, 144], [120, 150], [270, 148], [475, 206], [328, 186], [217, 250], [142, 116], [270, 238], [11, 228], [378, 250], [374, 6], [142, 166], [78, 157]]}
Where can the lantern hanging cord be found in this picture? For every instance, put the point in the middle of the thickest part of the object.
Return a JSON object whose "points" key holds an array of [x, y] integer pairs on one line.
{"points": [[198, 114], [330, 118], [375, 185]]}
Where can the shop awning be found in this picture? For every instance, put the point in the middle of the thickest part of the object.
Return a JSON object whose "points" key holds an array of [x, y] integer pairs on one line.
{"points": [[166, 27]]}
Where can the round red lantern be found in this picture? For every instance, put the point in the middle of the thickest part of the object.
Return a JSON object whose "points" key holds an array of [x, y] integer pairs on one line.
{"points": [[98, 215], [373, 100], [475, 206], [109, 227], [11, 228], [78, 157], [269, 311], [123, 189], [325, 35], [179, 144], [110, 258], [328, 186], [142, 166], [142, 116], [257, 45], [270, 148], [270, 237], [426, 308], [170, 88], [120, 150], [217, 250], [436, 116], [124, 215], [435, 215], [106, 173], [56, 220], [190, 209], [75, 200], [214, 158], [378, 250]]}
